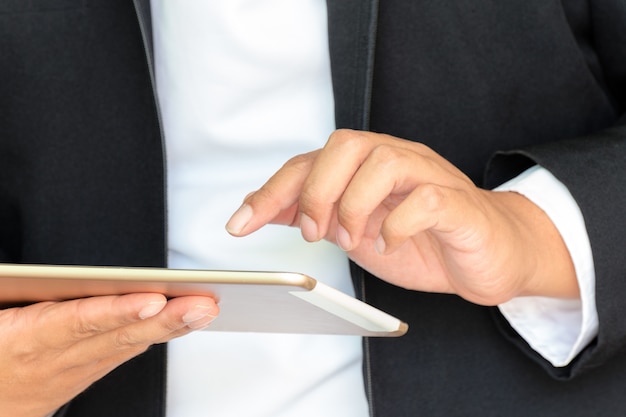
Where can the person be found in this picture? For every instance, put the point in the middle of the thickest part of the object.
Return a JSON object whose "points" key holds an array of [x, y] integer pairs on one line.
{"points": [[83, 182]]}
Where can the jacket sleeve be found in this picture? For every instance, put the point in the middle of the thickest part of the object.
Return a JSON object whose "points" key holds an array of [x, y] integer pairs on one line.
{"points": [[593, 168]]}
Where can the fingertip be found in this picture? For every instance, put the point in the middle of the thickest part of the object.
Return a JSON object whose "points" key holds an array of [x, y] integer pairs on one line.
{"points": [[239, 220], [344, 241], [309, 228], [152, 309], [380, 245], [200, 316]]}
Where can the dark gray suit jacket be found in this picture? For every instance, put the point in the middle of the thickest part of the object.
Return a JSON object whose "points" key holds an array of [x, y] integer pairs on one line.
{"points": [[492, 86]]}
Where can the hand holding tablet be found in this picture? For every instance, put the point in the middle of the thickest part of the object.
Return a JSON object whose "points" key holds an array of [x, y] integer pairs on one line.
{"points": [[249, 301]]}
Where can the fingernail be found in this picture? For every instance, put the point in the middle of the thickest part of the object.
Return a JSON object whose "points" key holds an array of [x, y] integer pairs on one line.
{"points": [[199, 316], [239, 220], [152, 309], [308, 227], [343, 238], [201, 323], [380, 245]]}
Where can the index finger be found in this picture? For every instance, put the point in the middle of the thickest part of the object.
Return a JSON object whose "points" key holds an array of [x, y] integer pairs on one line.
{"points": [[276, 201], [332, 174]]}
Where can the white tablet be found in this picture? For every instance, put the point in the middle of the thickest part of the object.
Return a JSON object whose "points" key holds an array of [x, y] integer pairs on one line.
{"points": [[250, 301]]}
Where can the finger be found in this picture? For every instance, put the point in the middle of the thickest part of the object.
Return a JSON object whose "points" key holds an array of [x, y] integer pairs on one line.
{"points": [[64, 323], [374, 182], [179, 316], [449, 213], [330, 175], [276, 201], [386, 177], [334, 171]]}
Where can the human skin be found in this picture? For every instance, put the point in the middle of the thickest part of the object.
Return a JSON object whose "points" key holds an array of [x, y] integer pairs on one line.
{"points": [[52, 351], [410, 217]]}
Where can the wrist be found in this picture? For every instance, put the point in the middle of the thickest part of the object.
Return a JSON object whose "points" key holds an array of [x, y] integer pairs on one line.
{"points": [[545, 264]]}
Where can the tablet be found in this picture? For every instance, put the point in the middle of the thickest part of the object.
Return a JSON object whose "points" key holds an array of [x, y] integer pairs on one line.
{"points": [[250, 301]]}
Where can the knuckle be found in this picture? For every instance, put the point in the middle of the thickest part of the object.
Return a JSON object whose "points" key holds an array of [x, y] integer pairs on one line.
{"points": [[349, 213], [82, 328], [341, 135], [431, 197], [313, 200], [136, 349], [423, 149], [348, 139], [298, 166], [171, 326], [125, 339], [388, 157], [300, 162], [81, 325], [393, 229]]}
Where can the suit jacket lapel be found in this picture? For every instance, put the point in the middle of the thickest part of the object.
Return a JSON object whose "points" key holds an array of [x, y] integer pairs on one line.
{"points": [[142, 7], [352, 37]]}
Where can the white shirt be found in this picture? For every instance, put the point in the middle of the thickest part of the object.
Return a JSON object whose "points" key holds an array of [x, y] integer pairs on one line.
{"points": [[557, 329], [243, 86]]}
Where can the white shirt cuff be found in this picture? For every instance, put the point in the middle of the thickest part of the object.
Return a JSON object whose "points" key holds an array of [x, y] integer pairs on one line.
{"points": [[558, 329]]}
